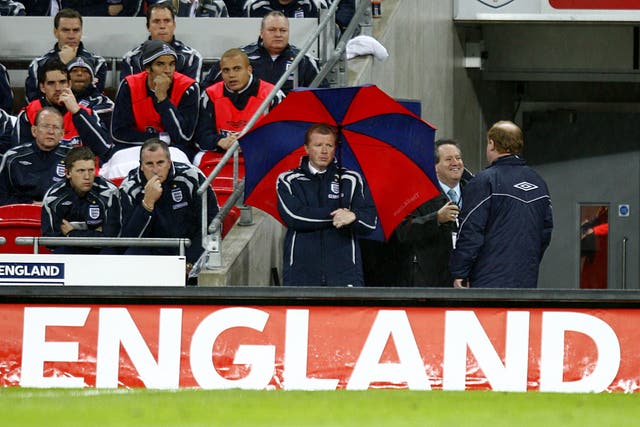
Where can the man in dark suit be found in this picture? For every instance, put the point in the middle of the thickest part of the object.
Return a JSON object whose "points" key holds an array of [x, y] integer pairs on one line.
{"points": [[424, 240]]}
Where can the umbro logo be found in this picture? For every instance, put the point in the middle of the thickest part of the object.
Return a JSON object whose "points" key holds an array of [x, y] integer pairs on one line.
{"points": [[525, 186]]}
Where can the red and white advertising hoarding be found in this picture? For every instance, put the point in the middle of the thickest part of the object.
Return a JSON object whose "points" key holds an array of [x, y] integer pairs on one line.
{"points": [[319, 348]]}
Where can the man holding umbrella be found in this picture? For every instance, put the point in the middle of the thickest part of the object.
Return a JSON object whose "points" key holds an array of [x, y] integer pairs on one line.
{"points": [[326, 208]]}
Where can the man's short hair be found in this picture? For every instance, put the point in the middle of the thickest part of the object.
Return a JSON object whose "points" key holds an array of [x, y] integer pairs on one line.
{"points": [[76, 154], [233, 52], [54, 64], [66, 13], [161, 5], [50, 109], [506, 136], [273, 14], [322, 129], [155, 144], [441, 142]]}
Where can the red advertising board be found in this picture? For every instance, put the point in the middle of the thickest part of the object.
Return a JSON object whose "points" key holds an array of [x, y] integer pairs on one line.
{"points": [[319, 348], [595, 4]]}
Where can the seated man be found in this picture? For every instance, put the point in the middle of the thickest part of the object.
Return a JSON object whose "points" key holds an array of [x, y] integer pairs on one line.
{"points": [[104, 7], [192, 8], [67, 28], [81, 80], [81, 125], [159, 199], [11, 8], [228, 105], [6, 92], [158, 102], [82, 205], [28, 170], [290, 8], [211, 9], [161, 24], [272, 55]]}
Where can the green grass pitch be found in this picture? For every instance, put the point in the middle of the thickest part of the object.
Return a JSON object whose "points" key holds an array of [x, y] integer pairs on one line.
{"points": [[187, 408]]}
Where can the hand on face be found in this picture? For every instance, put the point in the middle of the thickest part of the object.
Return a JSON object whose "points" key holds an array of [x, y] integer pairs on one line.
{"points": [[161, 84], [68, 99], [67, 53], [152, 191]]}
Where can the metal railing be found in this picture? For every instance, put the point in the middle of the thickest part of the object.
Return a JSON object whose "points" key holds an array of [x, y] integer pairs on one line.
{"points": [[211, 235], [211, 258], [120, 242]]}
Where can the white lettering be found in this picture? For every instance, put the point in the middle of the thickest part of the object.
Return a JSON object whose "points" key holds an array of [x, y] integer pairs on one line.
{"points": [[36, 350], [463, 329], [260, 357], [605, 369], [296, 354], [26, 270], [390, 324], [117, 327]]}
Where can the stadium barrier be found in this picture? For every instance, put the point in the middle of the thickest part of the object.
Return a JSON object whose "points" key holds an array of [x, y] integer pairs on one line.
{"points": [[320, 339]]}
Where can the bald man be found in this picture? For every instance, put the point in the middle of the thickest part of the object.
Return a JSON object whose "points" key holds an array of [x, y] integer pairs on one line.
{"points": [[506, 220]]}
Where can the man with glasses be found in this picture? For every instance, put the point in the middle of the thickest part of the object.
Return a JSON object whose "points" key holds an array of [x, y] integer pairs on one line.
{"points": [[28, 170]]}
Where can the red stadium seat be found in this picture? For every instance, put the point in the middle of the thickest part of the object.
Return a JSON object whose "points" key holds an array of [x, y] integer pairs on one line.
{"points": [[223, 184], [16, 221], [210, 160]]}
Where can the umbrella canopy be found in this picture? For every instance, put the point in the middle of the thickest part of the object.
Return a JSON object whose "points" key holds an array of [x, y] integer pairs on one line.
{"points": [[388, 145]]}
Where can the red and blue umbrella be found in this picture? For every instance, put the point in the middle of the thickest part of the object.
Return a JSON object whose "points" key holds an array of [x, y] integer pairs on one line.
{"points": [[387, 144]]}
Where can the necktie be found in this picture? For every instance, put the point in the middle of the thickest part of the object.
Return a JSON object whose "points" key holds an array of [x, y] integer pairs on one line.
{"points": [[453, 196]]}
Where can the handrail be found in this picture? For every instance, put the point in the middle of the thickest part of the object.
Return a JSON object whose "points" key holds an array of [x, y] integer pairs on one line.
{"points": [[362, 8], [153, 242], [214, 226], [216, 222]]}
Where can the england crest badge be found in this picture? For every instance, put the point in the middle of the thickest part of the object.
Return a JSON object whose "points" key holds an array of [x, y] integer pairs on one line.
{"points": [[335, 187], [94, 211], [176, 195], [60, 170]]}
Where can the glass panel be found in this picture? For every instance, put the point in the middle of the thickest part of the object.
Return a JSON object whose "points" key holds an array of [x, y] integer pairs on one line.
{"points": [[594, 246]]}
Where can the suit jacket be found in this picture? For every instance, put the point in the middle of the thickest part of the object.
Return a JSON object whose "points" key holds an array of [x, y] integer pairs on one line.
{"points": [[423, 246]]}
